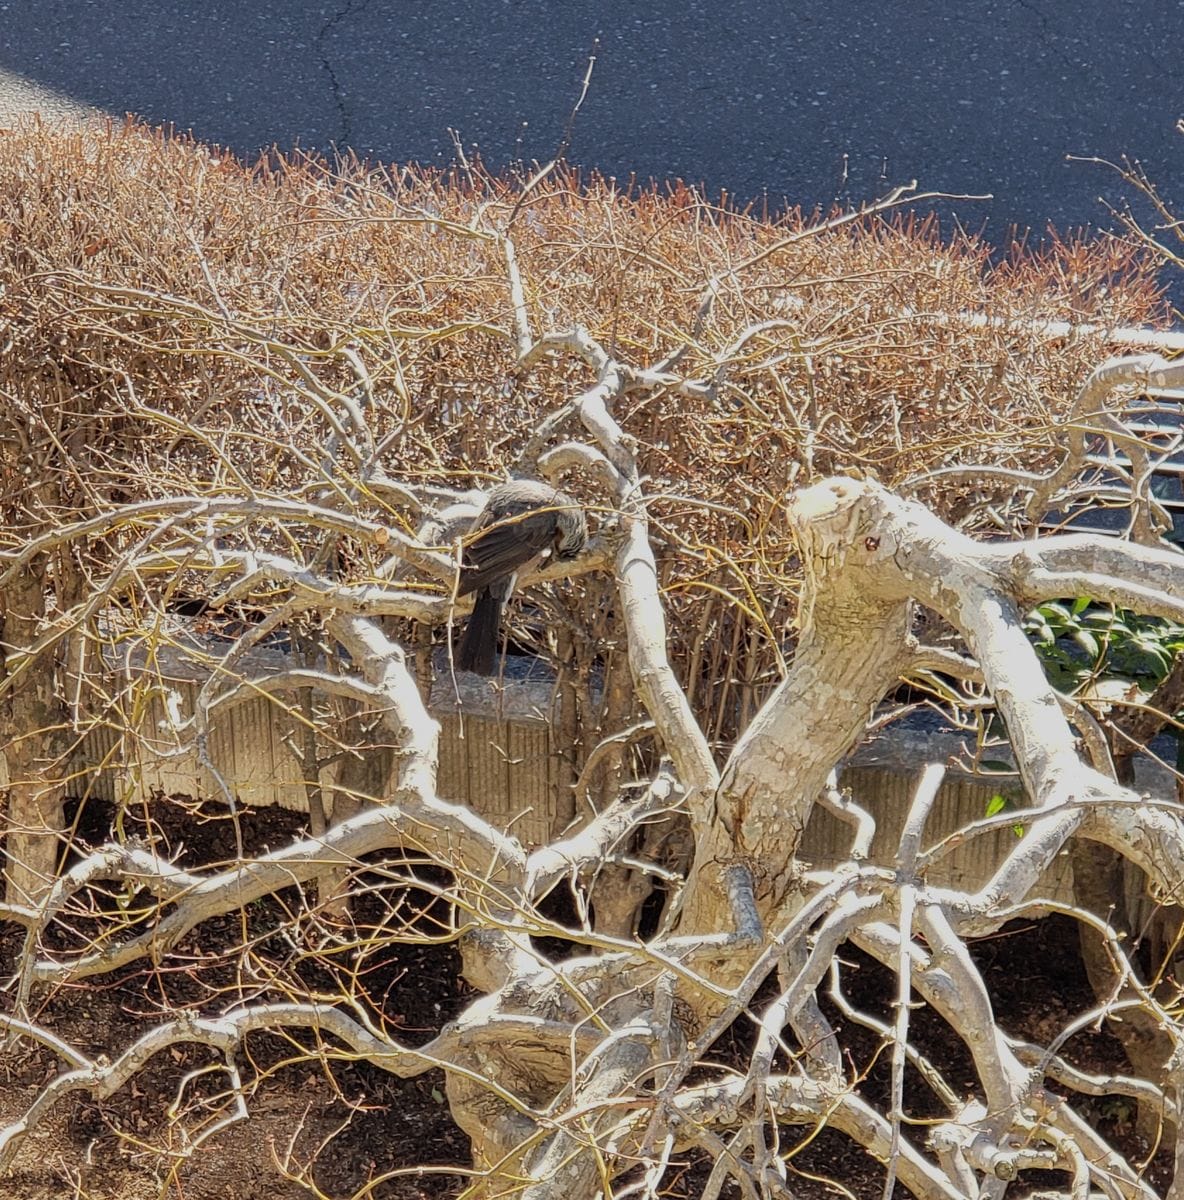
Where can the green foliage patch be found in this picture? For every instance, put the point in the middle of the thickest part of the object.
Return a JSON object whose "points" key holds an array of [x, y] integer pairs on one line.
{"points": [[1080, 642]]}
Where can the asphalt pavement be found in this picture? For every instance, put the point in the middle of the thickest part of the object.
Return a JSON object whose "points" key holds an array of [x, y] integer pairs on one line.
{"points": [[804, 103]]}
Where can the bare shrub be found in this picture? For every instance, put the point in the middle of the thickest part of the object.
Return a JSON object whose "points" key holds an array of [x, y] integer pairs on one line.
{"points": [[233, 387]]}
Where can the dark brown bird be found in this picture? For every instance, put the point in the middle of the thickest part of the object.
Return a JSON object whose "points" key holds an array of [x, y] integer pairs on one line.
{"points": [[523, 524]]}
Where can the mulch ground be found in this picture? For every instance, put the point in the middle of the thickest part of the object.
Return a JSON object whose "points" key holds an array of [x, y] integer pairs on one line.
{"points": [[346, 1124]]}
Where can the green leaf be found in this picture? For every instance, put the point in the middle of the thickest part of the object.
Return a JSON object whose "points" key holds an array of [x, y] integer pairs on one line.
{"points": [[1055, 611], [1088, 643], [996, 804], [1080, 605], [989, 765]]}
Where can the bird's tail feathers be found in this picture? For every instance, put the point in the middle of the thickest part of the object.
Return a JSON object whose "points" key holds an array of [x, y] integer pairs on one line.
{"points": [[478, 647]]}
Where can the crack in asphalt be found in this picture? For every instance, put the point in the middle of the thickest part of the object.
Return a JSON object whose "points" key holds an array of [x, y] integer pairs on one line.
{"points": [[1050, 36], [1049, 32], [351, 8]]}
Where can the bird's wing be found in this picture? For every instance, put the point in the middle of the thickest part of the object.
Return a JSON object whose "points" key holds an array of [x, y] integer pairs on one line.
{"points": [[504, 547]]}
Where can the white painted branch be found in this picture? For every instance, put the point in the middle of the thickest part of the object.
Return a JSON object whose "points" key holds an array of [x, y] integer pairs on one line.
{"points": [[101, 1079], [1003, 1078], [939, 989], [196, 510], [310, 590], [462, 840], [1146, 578], [637, 575], [593, 842], [383, 665], [612, 1075], [854, 641], [944, 662], [1088, 1084], [1117, 335], [925, 1068], [139, 868], [1089, 408], [842, 805], [814, 1031], [522, 336], [796, 1100], [296, 678], [17, 1029], [864, 543], [906, 897]]}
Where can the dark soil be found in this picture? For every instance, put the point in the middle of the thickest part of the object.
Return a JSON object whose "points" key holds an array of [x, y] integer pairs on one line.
{"points": [[347, 1124]]}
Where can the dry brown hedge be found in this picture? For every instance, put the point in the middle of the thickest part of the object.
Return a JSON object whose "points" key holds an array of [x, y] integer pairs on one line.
{"points": [[149, 284]]}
